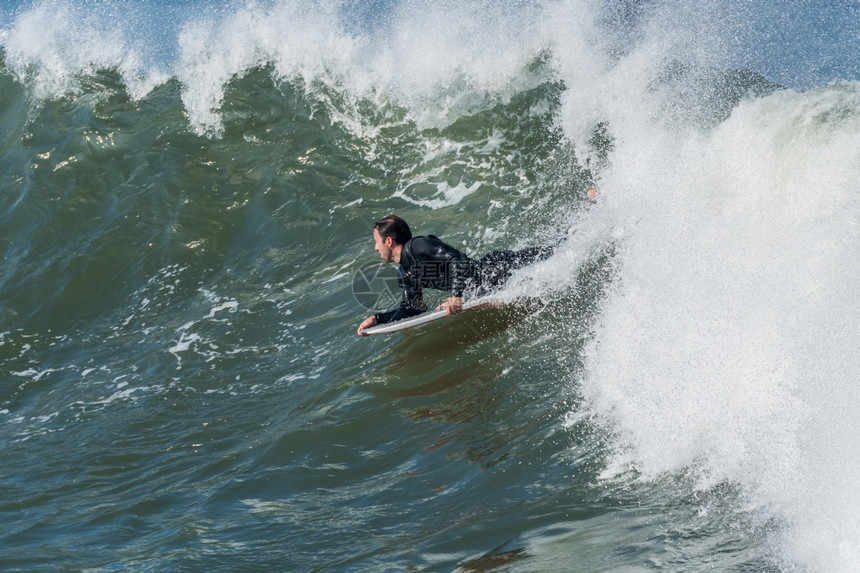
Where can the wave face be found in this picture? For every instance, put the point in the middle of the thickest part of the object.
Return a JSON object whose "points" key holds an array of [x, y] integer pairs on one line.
{"points": [[187, 194]]}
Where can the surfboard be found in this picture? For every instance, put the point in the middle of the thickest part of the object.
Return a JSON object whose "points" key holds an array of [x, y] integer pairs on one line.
{"points": [[423, 318]]}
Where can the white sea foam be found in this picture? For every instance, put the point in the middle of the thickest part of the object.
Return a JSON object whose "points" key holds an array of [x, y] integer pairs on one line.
{"points": [[445, 195], [728, 342], [440, 61]]}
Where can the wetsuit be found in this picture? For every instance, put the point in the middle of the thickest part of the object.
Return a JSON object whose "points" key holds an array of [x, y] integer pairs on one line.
{"points": [[428, 262]]}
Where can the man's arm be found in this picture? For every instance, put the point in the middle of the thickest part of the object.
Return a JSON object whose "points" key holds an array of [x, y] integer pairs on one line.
{"points": [[441, 265], [410, 305], [448, 266]]}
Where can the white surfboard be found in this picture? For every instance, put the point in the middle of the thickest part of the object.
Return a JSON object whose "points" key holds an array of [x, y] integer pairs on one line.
{"points": [[423, 318]]}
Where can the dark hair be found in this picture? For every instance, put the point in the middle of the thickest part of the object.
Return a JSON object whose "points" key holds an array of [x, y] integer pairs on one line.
{"points": [[394, 227]]}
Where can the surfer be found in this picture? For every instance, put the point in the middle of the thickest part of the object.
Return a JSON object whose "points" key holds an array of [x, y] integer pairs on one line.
{"points": [[428, 262]]}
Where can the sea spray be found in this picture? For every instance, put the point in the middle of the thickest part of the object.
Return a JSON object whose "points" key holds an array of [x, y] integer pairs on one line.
{"points": [[710, 350]]}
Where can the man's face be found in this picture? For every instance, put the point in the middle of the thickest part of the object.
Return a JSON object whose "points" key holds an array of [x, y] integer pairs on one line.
{"points": [[382, 247]]}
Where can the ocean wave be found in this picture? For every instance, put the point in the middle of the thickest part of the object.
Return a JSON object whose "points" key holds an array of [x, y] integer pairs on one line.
{"points": [[186, 192]]}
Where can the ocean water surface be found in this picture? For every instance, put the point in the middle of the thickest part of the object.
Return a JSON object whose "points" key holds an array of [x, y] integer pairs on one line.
{"points": [[187, 193]]}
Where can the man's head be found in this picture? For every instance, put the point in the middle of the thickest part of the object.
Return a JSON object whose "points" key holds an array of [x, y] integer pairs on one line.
{"points": [[390, 234]]}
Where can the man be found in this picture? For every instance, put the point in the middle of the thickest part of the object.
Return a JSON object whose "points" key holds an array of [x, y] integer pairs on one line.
{"points": [[427, 262]]}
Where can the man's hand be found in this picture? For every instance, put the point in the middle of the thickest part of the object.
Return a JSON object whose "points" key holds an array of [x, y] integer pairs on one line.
{"points": [[368, 322], [453, 305]]}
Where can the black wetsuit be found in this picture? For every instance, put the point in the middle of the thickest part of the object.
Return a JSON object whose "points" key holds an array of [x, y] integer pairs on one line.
{"points": [[428, 262]]}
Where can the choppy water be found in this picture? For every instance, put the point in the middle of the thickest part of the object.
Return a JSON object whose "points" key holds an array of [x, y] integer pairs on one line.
{"points": [[186, 195]]}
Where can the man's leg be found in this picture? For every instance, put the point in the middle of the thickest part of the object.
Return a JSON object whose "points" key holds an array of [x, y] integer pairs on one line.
{"points": [[496, 267]]}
